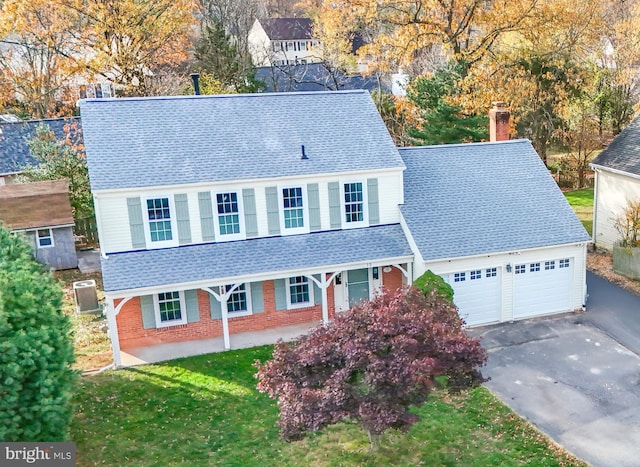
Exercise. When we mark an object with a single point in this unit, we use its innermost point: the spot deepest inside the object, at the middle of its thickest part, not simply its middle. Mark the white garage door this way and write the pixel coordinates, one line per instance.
(477, 295)
(542, 287)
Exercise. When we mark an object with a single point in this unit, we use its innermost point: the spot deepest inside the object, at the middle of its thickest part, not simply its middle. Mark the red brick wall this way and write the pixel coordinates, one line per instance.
(132, 334)
(393, 279)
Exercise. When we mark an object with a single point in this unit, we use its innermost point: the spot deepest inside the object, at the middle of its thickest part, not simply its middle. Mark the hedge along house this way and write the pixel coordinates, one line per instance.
(224, 214)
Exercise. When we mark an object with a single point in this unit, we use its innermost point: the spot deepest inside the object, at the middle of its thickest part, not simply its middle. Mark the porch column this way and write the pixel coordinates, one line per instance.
(113, 333)
(225, 321)
(324, 283)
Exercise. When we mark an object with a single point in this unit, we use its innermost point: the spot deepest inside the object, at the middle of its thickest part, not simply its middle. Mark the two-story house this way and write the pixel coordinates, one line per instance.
(219, 215)
(282, 41)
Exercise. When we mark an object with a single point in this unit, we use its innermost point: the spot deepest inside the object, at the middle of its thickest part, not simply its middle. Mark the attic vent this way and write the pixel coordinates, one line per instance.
(304, 155)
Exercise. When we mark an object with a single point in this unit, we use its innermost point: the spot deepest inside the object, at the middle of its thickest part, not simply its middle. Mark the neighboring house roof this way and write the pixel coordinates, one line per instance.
(14, 152)
(189, 264)
(315, 77)
(286, 29)
(34, 205)
(208, 139)
(482, 198)
(623, 153)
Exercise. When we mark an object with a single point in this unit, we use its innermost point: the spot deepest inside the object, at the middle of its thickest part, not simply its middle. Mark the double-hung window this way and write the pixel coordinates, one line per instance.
(44, 238)
(170, 309)
(354, 203)
(159, 216)
(228, 213)
(300, 292)
(293, 208)
(238, 300)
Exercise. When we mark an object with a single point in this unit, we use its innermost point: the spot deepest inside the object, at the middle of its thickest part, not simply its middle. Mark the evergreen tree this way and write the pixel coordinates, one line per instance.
(444, 122)
(36, 349)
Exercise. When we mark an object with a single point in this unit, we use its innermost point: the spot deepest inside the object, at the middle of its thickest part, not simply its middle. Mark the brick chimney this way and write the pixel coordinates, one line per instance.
(499, 122)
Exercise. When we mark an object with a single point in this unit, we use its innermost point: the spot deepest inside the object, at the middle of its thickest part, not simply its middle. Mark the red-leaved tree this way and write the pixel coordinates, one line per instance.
(371, 364)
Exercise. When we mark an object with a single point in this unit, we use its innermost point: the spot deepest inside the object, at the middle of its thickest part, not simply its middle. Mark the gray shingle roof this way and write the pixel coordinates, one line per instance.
(472, 199)
(142, 142)
(623, 153)
(282, 29)
(212, 261)
(14, 152)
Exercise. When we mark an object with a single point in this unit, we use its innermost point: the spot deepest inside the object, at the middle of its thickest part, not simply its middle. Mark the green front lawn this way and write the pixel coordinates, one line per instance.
(582, 203)
(205, 410)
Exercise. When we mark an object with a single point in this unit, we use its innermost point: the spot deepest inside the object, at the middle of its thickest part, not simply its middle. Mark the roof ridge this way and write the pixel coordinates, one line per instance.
(223, 96)
(480, 143)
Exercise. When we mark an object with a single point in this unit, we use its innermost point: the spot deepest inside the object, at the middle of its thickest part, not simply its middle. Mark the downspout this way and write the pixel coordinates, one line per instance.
(595, 209)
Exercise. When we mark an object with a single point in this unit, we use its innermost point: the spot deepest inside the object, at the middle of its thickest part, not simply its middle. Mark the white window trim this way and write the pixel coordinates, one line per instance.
(183, 311)
(42, 247)
(365, 206)
(237, 314)
(294, 306)
(214, 201)
(305, 211)
(174, 222)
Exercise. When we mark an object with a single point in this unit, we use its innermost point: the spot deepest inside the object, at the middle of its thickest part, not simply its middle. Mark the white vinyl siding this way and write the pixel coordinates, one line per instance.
(613, 192)
(115, 233)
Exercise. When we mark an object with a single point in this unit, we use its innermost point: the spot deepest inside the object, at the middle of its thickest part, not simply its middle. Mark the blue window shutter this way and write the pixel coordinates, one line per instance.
(374, 205)
(335, 217)
(280, 287)
(257, 300)
(182, 217)
(148, 312)
(250, 213)
(191, 302)
(206, 216)
(317, 293)
(273, 210)
(216, 307)
(313, 197)
(136, 223)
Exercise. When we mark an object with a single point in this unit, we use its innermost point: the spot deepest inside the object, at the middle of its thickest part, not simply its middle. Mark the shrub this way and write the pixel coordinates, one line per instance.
(371, 365)
(430, 282)
(628, 225)
(36, 349)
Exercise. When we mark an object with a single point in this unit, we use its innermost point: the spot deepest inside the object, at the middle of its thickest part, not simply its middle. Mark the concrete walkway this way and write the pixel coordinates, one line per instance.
(163, 352)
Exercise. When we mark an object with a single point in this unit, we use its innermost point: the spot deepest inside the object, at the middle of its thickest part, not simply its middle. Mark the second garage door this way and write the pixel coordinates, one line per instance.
(477, 295)
(542, 287)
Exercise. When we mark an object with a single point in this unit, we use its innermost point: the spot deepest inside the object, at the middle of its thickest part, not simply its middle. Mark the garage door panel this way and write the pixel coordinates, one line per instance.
(477, 295)
(542, 287)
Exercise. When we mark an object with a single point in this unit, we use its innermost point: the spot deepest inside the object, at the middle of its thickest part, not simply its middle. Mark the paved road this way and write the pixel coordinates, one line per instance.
(574, 381)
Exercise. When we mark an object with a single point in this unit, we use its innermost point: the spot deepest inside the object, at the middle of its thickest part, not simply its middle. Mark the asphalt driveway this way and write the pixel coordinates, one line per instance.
(574, 376)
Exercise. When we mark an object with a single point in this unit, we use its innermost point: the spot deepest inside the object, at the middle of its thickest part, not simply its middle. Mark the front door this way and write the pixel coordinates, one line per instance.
(357, 285)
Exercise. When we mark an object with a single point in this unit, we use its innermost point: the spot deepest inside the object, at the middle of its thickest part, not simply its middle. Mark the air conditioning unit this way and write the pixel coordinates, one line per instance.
(86, 296)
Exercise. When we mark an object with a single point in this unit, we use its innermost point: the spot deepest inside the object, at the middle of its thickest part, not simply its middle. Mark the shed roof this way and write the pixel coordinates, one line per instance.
(14, 151)
(144, 142)
(283, 29)
(34, 205)
(215, 261)
(623, 153)
(483, 198)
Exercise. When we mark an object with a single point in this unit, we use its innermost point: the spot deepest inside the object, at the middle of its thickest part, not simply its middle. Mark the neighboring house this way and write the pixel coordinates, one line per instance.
(224, 214)
(282, 41)
(42, 212)
(316, 77)
(617, 181)
(14, 136)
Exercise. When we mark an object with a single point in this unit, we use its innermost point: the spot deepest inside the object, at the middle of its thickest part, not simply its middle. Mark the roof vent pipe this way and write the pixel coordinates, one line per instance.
(304, 155)
(196, 83)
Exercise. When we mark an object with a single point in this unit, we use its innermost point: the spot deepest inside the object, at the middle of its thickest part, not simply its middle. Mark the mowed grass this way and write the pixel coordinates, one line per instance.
(582, 203)
(206, 410)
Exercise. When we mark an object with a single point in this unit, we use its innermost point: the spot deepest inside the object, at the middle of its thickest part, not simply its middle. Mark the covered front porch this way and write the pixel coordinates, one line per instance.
(172, 350)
